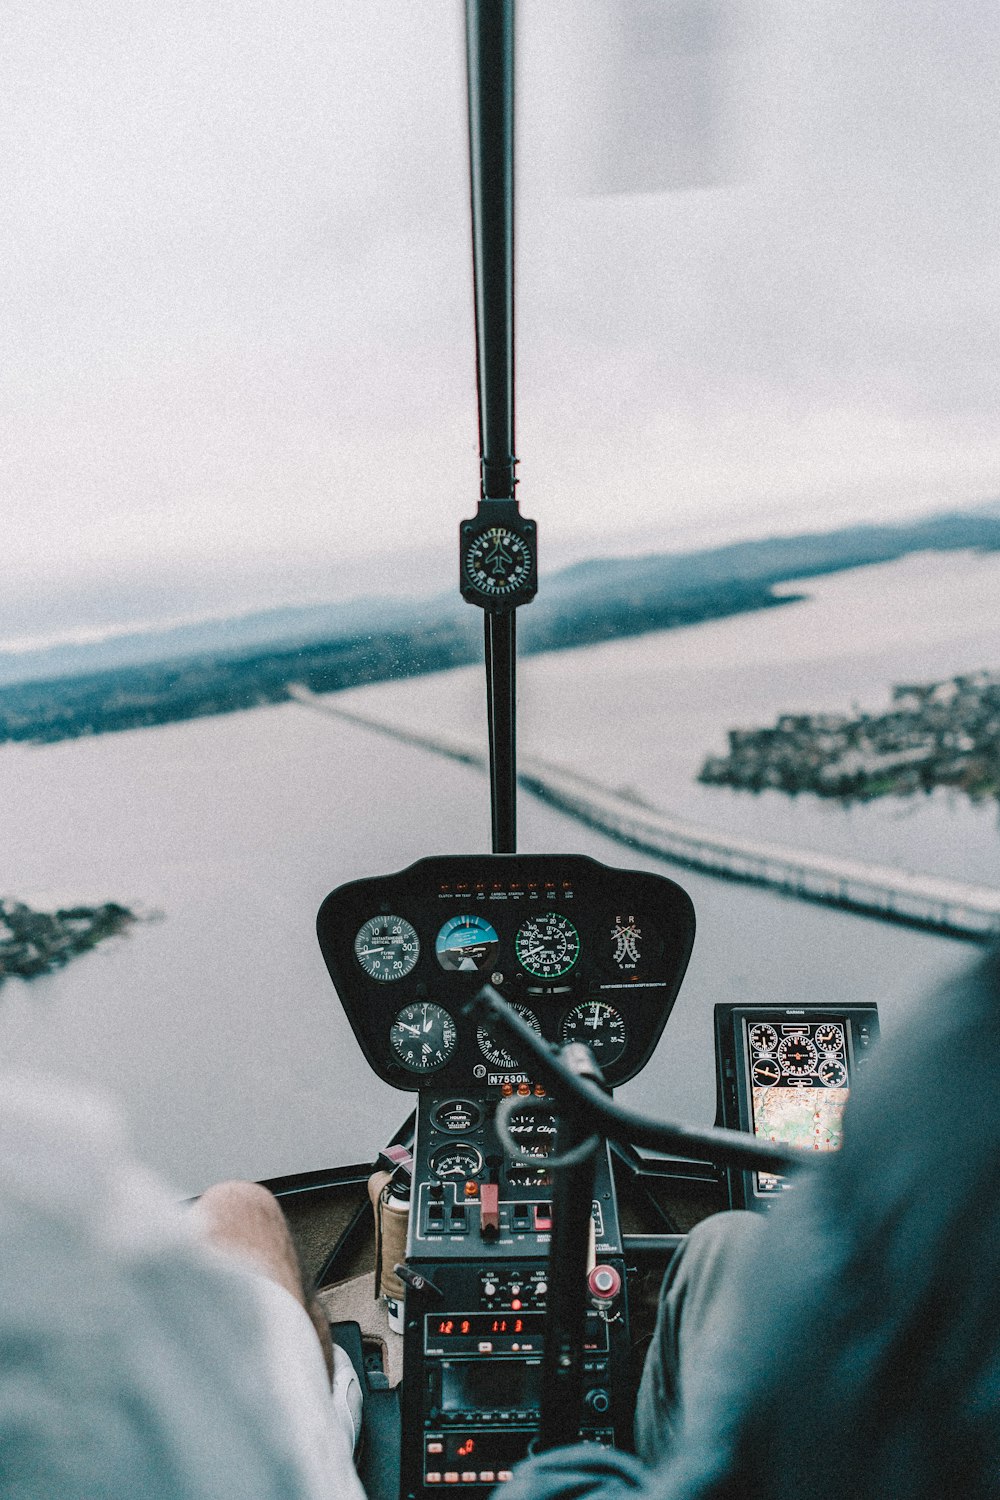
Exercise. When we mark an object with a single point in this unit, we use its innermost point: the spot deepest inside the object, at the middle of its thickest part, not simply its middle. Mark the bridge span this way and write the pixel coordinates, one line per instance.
(953, 907)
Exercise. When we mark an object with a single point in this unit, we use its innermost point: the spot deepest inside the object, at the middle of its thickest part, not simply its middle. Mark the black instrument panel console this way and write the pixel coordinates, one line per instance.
(584, 951)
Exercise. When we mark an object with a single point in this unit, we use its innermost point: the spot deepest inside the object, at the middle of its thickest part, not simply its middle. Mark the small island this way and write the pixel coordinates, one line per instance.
(934, 734)
(36, 942)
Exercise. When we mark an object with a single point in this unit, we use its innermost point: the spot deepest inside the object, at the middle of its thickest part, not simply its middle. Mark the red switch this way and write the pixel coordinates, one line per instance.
(489, 1201)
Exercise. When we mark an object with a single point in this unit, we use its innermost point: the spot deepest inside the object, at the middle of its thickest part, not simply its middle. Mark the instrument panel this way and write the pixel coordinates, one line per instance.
(583, 951)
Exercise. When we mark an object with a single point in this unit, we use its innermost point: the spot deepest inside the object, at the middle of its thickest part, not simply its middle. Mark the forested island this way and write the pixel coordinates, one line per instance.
(36, 942)
(934, 734)
(601, 600)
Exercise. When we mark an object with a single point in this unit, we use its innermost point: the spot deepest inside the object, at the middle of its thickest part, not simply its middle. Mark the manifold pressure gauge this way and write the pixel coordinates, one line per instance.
(498, 557)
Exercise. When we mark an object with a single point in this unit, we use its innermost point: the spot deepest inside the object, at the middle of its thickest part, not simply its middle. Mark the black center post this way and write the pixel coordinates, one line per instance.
(498, 564)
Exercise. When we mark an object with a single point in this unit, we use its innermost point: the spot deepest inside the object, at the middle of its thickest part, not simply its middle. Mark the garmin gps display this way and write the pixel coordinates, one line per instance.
(799, 1083)
(785, 1074)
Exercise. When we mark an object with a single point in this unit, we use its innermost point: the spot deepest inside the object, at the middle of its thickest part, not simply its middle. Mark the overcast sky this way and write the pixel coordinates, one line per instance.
(758, 286)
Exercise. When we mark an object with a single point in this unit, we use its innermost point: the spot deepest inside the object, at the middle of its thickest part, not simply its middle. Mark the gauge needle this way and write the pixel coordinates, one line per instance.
(413, 1030)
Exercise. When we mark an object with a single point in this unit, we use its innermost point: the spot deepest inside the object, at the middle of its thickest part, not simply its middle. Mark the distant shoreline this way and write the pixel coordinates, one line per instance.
(584, 605)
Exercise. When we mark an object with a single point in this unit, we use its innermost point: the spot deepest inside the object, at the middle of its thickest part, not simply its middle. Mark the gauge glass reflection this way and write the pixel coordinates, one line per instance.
(492, 1050)
(387, 948)
(467, 945)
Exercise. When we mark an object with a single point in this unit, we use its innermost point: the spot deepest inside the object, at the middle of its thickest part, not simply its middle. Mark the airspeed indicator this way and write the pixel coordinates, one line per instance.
(547, 945)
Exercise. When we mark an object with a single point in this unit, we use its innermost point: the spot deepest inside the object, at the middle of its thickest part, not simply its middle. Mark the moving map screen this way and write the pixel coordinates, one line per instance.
(799, 1085)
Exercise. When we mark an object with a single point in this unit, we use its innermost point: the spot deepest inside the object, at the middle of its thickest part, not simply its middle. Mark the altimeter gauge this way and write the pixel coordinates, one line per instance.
(387, 947)
(423, 1036)
(492, 1050)
(600, 1026)
(547, 945)
(797, 1055)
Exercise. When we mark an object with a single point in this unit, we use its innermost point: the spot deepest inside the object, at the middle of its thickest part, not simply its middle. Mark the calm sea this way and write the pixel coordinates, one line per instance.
(215, 1023)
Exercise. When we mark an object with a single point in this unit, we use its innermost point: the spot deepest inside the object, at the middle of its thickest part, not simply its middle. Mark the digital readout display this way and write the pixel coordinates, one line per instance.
(487, 1325)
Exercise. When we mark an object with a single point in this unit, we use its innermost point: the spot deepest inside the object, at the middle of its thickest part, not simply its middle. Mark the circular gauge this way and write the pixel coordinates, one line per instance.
(534, 1130)
(634, 942)
(456, 1161)
(832, 1072)
(387, 947)
(456, 1115)
(493, 1052)
(423, 1036)
(466, 945)
(797, 1055)
(829, 1038)
(498, 561)
(765, 1072)
(547, 945)
(600, 1026)
(763, 1038)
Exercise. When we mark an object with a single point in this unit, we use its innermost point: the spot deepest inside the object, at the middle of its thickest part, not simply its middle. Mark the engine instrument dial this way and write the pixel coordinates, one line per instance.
(797, 1055)
(456, 1161)
(600, 1026)
(832, 1073)
(763, 1038)
(423, 1036)
(829, 1038)
(387, 947)
(547, 945)
(765, 1072)
(466, 945)
(492, 1050)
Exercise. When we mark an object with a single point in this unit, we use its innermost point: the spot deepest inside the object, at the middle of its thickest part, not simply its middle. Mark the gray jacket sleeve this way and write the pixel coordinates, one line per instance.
(577, 1473)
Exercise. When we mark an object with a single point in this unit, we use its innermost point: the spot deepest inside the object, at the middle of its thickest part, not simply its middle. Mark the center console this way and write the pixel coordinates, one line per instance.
(583, 952)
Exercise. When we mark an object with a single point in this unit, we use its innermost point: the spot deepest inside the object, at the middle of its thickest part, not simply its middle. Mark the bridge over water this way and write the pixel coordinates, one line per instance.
(954, 907)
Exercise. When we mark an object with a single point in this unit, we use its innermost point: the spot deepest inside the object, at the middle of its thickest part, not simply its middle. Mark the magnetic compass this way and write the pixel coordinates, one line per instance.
(498, 561)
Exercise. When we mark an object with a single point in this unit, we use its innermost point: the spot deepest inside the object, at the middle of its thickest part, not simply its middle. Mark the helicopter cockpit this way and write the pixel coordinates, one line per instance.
(516, 1274)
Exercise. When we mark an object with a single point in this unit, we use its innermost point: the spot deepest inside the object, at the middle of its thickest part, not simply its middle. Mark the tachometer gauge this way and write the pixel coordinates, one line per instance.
(534, 1131)
(423, 1036)
(466, 945)
(387, 947)
(456, 1161)
(829, 1038)
(635, 944)
(492, 1050)
(547, 945)
(600, 1026)
(832, 1073)
(797, 1055)
(763, 1038)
